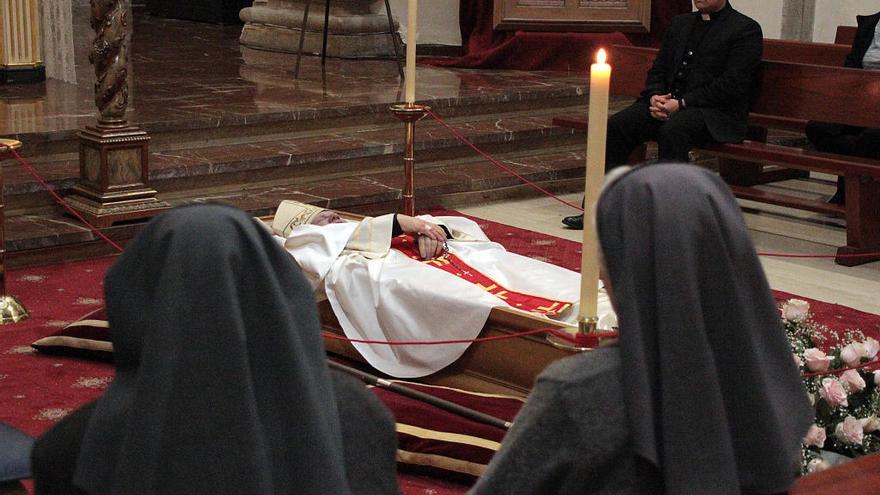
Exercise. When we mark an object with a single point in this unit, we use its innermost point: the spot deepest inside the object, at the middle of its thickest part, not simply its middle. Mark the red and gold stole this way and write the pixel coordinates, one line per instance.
(452, 264)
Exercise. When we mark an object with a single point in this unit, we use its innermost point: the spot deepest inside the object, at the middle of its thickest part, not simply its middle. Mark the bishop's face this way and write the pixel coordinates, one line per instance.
(709, 6)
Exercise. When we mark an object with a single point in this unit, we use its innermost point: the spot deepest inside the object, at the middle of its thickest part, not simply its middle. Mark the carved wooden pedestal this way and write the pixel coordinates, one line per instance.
(114, 181)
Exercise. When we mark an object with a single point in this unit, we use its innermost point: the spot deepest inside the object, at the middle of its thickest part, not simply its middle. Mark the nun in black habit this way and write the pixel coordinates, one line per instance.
(700, 395)
(221, 382)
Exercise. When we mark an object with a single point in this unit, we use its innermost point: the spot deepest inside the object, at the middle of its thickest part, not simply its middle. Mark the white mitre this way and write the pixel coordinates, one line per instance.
(292, 214)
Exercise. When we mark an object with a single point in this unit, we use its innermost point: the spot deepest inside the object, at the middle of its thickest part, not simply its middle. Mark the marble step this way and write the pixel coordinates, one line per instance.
(47, 234)
(302, 156)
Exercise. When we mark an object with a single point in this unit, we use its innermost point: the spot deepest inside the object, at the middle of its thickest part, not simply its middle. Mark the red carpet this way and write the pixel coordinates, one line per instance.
(37, 390)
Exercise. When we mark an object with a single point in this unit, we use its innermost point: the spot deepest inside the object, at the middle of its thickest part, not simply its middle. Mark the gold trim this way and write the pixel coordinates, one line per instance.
(478, 394)
(441, 462)
(447, 437)
(90, 323)
(75, 343)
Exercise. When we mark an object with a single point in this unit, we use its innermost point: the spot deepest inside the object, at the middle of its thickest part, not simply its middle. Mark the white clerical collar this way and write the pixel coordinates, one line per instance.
(705, 17)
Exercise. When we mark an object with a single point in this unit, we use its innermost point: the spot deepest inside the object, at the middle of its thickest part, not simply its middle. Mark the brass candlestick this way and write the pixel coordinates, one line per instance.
(409, 114)
(11, 309)
(586, 338)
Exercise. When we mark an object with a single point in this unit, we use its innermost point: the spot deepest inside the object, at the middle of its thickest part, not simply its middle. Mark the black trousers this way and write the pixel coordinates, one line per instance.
(632, 126)
(844, 140)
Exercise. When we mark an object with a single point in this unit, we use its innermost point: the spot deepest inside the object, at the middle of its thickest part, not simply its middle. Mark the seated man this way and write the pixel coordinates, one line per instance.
(405, 288)
(697, 91)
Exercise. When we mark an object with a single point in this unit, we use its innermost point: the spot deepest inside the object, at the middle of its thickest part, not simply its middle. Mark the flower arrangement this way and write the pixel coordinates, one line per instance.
(842, 376)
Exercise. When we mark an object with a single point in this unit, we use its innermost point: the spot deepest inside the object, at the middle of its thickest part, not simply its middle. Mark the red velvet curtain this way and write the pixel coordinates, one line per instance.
(486, 48)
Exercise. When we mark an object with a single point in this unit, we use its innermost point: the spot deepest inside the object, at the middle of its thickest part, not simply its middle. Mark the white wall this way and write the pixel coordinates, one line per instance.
(833, 13)
(768, 13)
(438, 21)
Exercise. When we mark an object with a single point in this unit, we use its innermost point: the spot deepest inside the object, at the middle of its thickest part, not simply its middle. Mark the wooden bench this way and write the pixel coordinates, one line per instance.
(833, 54)
(845, 35)
(790, 94)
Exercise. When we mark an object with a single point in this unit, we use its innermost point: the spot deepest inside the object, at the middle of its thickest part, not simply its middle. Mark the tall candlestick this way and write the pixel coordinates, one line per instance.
(600, 77)
(411, 30)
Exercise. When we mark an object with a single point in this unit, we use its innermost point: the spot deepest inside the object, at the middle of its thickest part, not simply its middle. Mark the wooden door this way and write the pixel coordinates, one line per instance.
(632, 16)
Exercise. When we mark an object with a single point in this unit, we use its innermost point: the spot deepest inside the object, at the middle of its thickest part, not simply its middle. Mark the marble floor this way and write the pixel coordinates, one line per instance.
(773, 229)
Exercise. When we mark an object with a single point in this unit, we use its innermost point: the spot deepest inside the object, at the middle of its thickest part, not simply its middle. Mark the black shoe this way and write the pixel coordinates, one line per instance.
(575, 222)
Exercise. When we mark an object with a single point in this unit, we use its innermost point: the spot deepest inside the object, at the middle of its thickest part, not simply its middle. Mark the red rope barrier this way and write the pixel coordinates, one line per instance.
(333, 336)
(497, 163)
(27, 166)
(841, 370)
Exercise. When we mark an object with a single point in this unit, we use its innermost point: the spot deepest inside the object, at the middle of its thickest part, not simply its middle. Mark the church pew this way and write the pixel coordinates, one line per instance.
(791, 93)
(805, 52)
(845, 35)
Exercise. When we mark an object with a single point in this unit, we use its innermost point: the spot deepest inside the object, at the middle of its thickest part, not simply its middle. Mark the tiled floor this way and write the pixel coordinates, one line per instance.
(776, 230)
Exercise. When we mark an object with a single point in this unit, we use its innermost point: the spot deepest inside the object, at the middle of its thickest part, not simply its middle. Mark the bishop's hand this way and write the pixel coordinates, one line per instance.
(430, 248)
(418, 227)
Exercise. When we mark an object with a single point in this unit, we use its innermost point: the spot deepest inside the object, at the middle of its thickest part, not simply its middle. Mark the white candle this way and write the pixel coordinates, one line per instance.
(411, 29)
(600, 78)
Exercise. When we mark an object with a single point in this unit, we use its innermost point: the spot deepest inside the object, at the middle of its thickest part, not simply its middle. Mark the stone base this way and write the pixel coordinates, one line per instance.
(352, 36)
(114, 175)
(23, 75)
(103, 215)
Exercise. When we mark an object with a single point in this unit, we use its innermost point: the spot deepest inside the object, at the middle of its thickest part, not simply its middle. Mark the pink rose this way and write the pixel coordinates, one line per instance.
(833, 392)
(815, 437)
(877, 378)
(852, 353)
(817, 465)
(816, 360)
(869, 424)
(795, 309)
(852, 381)
(850, 431)
(872, 347)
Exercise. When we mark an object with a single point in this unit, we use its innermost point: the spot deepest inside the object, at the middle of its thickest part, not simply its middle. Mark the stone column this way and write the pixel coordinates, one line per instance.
(113, 155)
(358, 28)
(21, 59)
(58, 40)
(797, 19)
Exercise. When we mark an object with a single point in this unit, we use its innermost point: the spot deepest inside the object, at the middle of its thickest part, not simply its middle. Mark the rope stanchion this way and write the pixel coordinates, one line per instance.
(27, 166)
(497, 163)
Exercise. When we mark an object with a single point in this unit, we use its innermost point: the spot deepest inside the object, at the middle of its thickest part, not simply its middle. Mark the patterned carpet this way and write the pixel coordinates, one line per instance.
(37, 390)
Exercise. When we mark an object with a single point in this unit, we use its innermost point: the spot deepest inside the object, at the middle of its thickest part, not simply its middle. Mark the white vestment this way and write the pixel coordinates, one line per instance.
(378, 293)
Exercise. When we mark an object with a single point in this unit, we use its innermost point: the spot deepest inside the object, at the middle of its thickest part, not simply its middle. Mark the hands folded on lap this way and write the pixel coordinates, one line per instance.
(663, 106)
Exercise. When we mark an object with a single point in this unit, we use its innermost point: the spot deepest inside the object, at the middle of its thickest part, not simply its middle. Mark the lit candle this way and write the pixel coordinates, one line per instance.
(411, 23)
(600, 78)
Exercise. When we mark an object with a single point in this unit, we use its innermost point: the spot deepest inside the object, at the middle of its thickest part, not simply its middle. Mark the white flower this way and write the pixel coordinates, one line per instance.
(877, 378)
(852, 353)
(815, 437)
(869, 424)
(833, 392)
(797, 360)
(852, 381)
(795, 309)
(872, 347)
(850, 431)
(816, 360)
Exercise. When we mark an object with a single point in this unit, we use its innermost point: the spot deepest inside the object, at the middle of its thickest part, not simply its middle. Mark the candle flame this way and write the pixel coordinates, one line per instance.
(600, 56)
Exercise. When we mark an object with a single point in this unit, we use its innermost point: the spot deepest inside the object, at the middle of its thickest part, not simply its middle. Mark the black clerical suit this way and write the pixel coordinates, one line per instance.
(712, 66)
(846, 139)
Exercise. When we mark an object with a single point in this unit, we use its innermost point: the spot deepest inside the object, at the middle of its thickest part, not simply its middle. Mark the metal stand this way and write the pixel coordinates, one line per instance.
(409, 114)
(11, 309)
(587, 338)
(302, 36)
